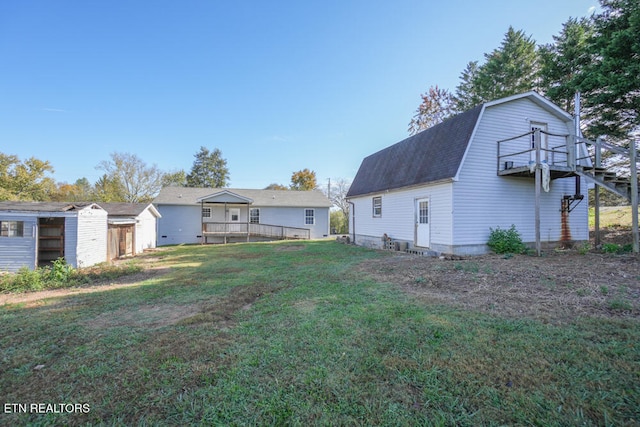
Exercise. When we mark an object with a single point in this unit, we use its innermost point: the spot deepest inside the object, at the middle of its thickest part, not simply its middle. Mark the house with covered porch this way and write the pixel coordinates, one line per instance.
(223, 215)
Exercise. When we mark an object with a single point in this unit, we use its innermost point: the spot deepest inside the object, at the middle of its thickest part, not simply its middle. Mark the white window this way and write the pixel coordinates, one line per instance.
(12, 228)
(254, 216)
(377, 206)
(206, 212)
(309, 216)
(234, 214)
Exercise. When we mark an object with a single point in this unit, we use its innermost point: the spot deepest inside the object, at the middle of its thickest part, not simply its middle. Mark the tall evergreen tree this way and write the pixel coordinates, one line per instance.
(209, 170)
(466, 97)
(611, 82)
(513, 68)
(563, 60)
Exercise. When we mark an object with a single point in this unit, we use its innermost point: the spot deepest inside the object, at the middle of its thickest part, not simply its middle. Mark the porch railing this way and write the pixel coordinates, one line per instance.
(229, 229)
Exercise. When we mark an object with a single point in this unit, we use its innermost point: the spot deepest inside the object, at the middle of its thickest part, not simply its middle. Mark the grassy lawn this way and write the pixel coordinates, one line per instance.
(289, 334)
(611, 216)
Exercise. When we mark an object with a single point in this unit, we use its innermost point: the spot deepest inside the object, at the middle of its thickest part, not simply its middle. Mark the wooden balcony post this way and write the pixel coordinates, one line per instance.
(538, 185)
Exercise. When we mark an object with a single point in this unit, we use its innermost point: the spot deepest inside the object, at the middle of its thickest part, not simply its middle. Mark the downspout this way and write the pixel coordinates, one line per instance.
(353, 220)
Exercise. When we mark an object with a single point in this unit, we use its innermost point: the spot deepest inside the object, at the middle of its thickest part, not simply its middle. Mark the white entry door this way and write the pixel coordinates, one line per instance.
(422, 223)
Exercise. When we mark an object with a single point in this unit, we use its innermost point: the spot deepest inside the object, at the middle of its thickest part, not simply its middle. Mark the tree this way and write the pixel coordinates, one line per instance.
(437, 105)
(303, 180)
(25, 180)
(564, 60)
(611, 82)
(512, 68)
(274, 186)
(466, 97)
(209, 170)
(339, 219)
(338, 193)
(108, 190)
(129, 179)
(175, 179)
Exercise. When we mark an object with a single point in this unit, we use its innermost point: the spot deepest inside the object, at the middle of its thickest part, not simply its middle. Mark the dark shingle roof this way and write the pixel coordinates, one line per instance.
(431, 155)
(42, 206)
(124, 209)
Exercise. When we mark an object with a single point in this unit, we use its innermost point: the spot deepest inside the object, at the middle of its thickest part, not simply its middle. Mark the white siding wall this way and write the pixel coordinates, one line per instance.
(482, 199)
(179, 224)
(182, 223)
(398, 217)
(91, 235)
(16, 252)
(145, 231)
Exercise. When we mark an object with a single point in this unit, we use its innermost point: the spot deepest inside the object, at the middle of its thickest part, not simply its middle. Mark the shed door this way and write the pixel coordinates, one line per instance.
(422, 223)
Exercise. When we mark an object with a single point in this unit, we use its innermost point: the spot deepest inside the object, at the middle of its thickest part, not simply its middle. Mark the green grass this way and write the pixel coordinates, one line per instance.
(290, 334)
(611, 216)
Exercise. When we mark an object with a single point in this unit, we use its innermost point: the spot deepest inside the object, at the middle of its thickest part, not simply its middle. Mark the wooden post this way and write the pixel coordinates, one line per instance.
(538, 179)
(203, 239)
(598, 164)
(634, 196)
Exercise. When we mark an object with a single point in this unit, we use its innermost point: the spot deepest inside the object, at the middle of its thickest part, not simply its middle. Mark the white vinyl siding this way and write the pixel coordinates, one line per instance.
(145, 231)
(503, 201)
(88, 240)
(399, 219)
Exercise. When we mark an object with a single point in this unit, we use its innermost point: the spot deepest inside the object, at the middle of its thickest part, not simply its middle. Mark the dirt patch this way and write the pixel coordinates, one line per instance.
(557, 287)
(152, 316)
(290, 247)
(221, 312)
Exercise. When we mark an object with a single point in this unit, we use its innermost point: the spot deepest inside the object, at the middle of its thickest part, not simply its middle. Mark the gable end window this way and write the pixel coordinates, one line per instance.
(11, 228)
(377, 207)
(309, 216)
(254, 216)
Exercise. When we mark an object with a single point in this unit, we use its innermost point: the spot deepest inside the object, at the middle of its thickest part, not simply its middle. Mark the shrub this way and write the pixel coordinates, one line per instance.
(506, 241)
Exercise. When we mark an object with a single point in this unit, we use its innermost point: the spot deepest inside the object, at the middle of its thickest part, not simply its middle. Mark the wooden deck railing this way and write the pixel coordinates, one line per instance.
(240, 229)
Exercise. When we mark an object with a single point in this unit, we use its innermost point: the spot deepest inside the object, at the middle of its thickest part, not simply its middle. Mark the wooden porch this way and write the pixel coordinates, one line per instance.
(246, 230)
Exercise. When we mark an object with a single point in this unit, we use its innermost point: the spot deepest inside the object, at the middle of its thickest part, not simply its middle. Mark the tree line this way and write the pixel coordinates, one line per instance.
(598, 56)
(126, 178)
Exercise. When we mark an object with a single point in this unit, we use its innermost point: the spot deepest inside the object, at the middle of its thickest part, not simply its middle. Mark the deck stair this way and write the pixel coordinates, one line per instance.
(607, 179)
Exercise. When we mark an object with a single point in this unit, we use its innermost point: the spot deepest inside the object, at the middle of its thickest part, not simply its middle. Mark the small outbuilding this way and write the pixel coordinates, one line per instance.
(132, 228)
(34, 234)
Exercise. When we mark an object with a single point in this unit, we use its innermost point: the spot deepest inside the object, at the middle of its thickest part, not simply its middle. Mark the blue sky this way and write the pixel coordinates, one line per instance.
(276, 86)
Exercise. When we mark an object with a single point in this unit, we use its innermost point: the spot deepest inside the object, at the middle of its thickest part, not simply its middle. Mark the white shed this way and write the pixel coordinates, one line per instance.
(33, 234)
(443, 189)
(132, 228)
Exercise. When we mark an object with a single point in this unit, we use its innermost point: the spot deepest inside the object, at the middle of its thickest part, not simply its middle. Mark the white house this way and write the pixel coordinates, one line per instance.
(132, 228)
(214, 215)
(33, 234)
(443, 189)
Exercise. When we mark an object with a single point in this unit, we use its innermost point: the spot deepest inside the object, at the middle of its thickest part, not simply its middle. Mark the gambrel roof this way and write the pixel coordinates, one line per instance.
(432, 155)
(264, 198)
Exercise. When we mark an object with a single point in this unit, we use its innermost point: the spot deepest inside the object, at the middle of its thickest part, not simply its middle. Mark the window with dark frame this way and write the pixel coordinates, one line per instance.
(309, 216)
(377, 206)
(11, 228)
(206, 212)
(254, 215)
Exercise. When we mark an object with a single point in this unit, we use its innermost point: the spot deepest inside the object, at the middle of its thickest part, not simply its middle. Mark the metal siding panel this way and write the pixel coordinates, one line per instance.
(17, 252)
